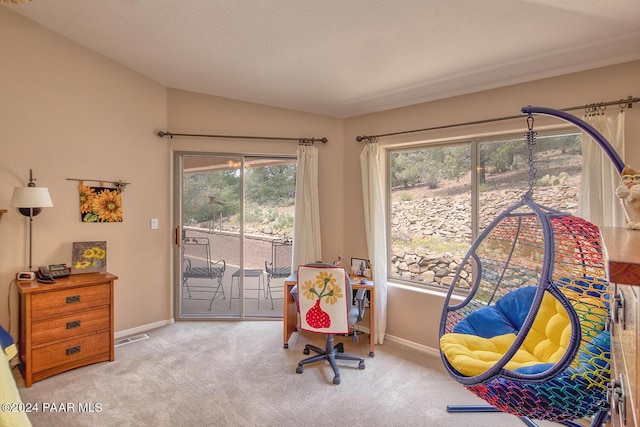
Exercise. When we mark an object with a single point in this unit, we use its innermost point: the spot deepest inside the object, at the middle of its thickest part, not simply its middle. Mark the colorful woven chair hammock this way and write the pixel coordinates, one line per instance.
(530, 336)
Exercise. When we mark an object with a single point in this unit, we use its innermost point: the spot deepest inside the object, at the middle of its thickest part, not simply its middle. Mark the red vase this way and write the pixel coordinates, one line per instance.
(317, 318)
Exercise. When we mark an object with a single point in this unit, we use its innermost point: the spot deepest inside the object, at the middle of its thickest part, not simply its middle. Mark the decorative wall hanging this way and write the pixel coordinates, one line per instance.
(88, 257)
(100, 203)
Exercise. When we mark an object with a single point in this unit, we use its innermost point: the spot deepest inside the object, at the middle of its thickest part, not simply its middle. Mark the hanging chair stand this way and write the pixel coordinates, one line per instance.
(597, 136)
(498, 370)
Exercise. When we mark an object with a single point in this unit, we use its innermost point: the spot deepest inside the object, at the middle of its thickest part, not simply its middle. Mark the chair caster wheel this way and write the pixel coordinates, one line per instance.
(361, 365)
(336, 380)
(306, 351)
(299, 370)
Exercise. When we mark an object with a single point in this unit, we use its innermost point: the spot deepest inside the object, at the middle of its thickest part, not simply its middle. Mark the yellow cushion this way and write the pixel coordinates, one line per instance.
(546, 342)
(9, 394)
(11, 351)
(472, 355)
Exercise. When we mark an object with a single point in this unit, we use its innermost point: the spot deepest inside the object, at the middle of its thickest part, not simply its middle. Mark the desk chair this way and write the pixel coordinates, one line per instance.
(324, 299)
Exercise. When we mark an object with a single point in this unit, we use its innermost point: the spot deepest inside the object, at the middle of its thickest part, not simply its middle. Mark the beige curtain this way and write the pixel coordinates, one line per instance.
(307, 246)
(597, 202)
(375, 227)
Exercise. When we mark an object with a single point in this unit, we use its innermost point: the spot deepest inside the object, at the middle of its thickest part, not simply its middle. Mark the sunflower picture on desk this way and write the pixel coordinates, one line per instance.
(324, 286)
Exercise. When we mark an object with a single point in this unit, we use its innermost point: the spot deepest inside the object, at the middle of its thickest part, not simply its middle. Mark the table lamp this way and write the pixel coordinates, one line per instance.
(30, 200)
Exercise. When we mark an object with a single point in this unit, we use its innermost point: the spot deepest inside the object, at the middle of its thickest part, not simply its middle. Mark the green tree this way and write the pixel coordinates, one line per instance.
(208, 195)
(272, 186)
(429, 165)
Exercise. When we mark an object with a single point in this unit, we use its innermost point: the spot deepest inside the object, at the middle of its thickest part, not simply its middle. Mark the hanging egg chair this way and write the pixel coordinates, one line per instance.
(524, 321)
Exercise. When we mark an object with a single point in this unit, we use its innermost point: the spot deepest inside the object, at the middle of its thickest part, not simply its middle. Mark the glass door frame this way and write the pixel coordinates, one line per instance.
(178, 182)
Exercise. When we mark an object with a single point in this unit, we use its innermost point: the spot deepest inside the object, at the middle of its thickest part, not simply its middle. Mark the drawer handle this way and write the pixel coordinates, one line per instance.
(616, 398)
(618, 312)
(72, 299)
(73, 350)
(74, 324)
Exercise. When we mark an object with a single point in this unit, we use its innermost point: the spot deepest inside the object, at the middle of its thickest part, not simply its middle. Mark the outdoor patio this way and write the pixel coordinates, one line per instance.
(199, 294)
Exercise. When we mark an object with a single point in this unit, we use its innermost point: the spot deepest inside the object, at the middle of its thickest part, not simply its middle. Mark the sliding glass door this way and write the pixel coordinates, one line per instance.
(233, 238)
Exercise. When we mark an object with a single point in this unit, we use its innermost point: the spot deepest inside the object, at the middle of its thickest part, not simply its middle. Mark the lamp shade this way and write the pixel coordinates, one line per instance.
(31, 197)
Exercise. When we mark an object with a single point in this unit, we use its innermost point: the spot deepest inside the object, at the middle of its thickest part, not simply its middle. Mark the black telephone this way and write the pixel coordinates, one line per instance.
(51, 273)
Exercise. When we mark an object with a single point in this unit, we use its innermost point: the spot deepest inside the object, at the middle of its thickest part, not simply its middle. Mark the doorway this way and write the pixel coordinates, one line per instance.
(234, 234)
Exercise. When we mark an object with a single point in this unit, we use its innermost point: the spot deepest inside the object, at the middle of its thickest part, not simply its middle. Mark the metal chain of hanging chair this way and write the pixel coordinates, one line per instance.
(531, 142)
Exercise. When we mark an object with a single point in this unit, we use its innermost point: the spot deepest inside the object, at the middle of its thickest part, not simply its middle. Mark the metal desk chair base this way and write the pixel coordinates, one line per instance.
(331, 353)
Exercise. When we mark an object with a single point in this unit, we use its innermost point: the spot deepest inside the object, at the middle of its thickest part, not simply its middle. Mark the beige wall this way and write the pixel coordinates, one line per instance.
(69, 113)
(201, 114)
(415, 316)
(66, 112)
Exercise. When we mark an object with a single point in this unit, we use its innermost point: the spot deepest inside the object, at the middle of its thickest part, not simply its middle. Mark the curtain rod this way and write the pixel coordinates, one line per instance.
(162, 134)
(622, 103)
(99, 180)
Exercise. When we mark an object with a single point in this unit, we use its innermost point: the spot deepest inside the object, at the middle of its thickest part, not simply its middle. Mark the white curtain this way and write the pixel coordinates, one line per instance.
(597, 202)
(375, 227)
(307, 246)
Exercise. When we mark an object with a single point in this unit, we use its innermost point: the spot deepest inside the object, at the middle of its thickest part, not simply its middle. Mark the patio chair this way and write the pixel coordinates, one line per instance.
(197, 264)
(278, 268)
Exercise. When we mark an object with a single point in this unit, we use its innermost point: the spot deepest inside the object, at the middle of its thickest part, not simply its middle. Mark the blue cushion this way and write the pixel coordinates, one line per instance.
(505, 317)
(5, 338)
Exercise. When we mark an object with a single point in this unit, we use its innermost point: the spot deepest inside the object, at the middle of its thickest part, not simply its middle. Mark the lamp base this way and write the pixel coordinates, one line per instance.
(30, 211)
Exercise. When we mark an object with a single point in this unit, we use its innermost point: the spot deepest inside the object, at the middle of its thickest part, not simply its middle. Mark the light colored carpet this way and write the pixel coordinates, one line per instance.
(238, 374)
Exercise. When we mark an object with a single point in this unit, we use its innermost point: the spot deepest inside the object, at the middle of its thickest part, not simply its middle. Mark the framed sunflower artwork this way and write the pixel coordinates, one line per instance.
(100, 204)
(88, 257)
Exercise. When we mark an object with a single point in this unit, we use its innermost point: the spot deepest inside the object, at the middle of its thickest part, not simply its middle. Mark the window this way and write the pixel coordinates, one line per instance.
(442, 196)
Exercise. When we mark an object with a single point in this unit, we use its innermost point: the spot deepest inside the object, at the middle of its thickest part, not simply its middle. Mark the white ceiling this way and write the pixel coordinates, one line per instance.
(342, 58)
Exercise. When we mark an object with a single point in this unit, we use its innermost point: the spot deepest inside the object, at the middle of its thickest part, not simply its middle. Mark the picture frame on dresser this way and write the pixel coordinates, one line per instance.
(89, 257)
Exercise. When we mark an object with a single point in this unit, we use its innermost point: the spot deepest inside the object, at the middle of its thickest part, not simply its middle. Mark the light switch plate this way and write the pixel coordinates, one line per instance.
(154, 223)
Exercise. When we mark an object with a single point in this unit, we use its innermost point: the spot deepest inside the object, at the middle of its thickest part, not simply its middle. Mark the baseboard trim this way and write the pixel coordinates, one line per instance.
(423, 348)
(143, 328)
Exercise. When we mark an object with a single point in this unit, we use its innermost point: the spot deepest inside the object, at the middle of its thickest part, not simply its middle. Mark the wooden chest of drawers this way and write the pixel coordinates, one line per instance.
(624, 350)
(65, 325)
(623, 268)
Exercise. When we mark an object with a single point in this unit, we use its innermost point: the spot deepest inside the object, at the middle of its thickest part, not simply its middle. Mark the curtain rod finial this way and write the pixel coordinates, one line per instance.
(162, 133)
(629, 101)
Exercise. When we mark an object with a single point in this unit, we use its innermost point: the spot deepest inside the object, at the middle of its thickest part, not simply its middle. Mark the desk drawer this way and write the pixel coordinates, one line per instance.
(71, 351)
(48, 304)
(60, 328)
